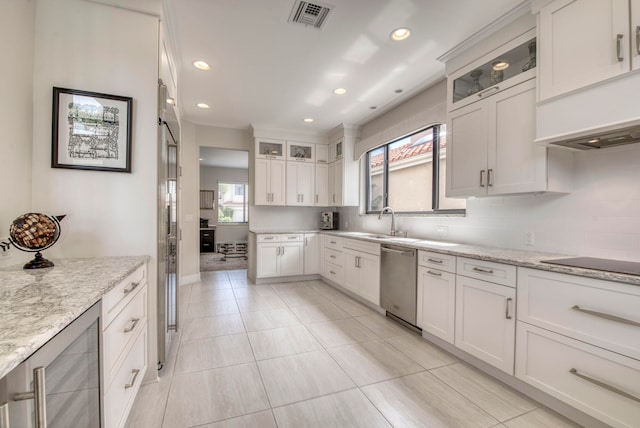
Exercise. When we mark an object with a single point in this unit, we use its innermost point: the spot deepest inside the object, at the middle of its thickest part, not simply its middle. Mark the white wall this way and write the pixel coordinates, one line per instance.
(209, 178)
(17, 32)
(99, 48)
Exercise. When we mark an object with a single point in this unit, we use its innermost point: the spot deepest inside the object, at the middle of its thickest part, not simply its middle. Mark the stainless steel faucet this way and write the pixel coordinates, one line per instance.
(393, 219)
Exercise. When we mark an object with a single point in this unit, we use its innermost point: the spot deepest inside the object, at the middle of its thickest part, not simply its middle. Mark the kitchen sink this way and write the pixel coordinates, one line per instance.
(401, 239)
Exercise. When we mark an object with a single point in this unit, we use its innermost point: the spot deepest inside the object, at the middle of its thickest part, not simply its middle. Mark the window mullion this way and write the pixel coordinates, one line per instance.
(385, 178)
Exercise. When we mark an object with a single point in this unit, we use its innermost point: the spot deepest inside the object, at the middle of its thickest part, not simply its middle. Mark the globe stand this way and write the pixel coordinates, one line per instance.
(38, 262)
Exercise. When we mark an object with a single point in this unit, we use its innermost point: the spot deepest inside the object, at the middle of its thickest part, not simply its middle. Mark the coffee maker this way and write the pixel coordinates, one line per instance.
(329, 220)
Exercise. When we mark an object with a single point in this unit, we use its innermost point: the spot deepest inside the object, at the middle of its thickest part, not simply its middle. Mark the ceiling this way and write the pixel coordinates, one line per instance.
(211, 156)
(270, 73)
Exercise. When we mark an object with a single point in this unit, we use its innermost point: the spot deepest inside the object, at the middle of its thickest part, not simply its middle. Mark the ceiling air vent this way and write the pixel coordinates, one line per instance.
(310, 14)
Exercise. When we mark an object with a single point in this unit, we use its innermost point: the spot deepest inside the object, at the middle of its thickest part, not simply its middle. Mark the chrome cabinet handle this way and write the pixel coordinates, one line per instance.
(268, 237)
(482, 178)
(487, 91)
(132, 381)
(282, 248)
(477, 269)
(39, 398)
(507, 314)
(332, 272)
(619, 47)
(131, 287)
(332, 256)
(638, 39)
(604, 385)
(606, 316)
(390, 250)
(132, 325)
(4, 415)
(434, 261)
(306, 242)
(316, 199)
(302, 198)
(489, 177)
(434, 273)
(333, 242)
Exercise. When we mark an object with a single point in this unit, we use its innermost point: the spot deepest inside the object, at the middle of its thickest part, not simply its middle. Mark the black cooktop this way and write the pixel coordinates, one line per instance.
(618, 266)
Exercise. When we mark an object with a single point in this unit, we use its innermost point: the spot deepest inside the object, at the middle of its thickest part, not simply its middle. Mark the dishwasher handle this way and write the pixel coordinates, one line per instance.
(404, 253)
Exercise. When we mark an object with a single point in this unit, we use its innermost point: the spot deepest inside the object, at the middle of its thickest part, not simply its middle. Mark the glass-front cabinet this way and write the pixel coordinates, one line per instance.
(301, 152)
(270, 149)
(502, 68)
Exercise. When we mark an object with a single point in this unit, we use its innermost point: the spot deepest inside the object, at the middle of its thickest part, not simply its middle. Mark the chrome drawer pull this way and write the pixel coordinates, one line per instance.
(604, 385)
(332, 272)
(638, 39)
(434, 273)
(477, 269)
(132, 381)
(507, 314)
(619, 47)
(132, 325)
(332, 256)
(131, 287)
(39, 396)
(434, 261)
(606, 316)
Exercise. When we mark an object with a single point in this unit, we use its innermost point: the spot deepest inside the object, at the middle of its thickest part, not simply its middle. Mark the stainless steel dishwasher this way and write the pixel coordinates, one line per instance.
(398, 282)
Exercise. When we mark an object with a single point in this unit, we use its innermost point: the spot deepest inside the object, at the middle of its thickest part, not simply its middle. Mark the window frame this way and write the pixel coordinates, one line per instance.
(245, 202)
(435, 177)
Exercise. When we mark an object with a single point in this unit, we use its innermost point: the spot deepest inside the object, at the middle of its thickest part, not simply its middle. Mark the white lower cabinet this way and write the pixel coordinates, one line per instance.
(280, 255)
(311, 253)
(124, 346)
(485, 321)
(436, 302)
(362, 269)
(598, 382)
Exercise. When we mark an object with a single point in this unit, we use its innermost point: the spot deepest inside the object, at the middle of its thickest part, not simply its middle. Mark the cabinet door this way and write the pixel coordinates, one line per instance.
(578, 43)
(515, 163)
(321, 183)
(369, 286)
(305, 179)
(261, 183)
(338, 177)
(485, 321)
(437, 302)
(331, 184)
(291, 260)
(311, 253)
(467, 150)
(351, 271)
(293, 195)
(322, 153)
(267, 263)
(635, 34)
(277, 174)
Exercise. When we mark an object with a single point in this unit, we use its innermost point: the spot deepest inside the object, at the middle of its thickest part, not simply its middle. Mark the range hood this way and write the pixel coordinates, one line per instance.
(600, 139)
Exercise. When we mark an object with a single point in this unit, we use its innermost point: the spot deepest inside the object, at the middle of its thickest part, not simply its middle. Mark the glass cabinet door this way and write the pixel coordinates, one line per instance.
(270, 149)
(487, 77)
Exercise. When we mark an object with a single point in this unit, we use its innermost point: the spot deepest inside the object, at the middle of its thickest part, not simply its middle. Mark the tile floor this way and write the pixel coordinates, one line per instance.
(303, 354)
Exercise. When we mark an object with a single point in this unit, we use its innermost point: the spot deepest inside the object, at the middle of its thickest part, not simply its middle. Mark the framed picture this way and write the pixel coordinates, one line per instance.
(91, 131)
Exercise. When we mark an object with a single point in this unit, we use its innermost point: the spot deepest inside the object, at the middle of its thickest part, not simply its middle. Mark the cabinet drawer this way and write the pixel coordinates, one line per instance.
(333, 272)
(297, 237)
(120, 396)
(269, 238)
(117, 338)
(599, 312)
(363, 246)
(439, 261)
(206, 234)
(333, 242)
(121, 294)
(334, 257)
(602, 384)
(487, 271)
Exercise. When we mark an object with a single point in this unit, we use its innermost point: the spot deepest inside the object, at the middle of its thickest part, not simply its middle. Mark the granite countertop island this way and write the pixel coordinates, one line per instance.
(35, 305)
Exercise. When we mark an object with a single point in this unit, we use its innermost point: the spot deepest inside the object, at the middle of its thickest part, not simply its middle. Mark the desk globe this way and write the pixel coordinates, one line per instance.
(35, 232)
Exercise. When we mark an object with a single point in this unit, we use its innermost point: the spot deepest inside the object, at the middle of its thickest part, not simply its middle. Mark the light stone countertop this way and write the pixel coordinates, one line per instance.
(284, 231)
(530, 259)
(37, 304)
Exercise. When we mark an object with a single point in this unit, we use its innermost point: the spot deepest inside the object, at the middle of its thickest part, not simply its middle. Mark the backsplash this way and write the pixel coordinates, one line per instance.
(284, 218)
(600, 218)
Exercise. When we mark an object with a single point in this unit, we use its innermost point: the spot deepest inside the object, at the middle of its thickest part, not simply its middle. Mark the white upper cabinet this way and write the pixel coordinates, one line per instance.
(321, 197)
(583, 42)
(301, 152)
(270, 149)
(635, 34)
(269, 185)
(322, 153)
(300, 188)
(336, 150)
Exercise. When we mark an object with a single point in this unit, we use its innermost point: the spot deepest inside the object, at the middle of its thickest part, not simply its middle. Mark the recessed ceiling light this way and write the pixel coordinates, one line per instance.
(203, 105)
(201, 65)
(340, 91)
(171, 101)
(500, 65)
(594, 141)
(201, 159)
(308, 119)
(400, 34)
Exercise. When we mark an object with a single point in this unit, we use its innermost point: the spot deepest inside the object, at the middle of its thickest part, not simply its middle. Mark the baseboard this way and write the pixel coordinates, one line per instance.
(278, 279)
(189, 279)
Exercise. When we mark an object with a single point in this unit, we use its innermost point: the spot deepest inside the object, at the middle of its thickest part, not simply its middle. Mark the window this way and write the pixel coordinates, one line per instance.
(233, 206)
(403, 175)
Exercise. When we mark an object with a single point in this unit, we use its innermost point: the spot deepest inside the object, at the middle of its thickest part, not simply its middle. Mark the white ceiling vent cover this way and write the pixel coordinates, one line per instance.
(310, 14)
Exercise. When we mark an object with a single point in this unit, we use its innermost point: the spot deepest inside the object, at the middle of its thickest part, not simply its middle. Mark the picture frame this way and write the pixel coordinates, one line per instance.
(91, 131)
